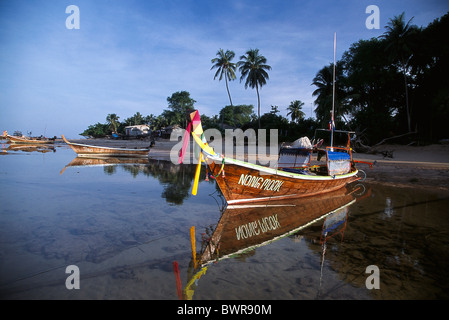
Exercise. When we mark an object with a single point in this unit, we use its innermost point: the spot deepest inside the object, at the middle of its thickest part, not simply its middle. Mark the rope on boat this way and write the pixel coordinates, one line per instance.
(364, 175)
(221, 169)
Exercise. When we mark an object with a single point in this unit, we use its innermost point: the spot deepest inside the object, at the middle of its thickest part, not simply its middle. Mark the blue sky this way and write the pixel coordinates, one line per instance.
(129, 56)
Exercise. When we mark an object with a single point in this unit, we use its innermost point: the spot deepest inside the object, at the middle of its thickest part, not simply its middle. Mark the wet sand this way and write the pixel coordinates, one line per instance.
(414, 166)
(426, 166)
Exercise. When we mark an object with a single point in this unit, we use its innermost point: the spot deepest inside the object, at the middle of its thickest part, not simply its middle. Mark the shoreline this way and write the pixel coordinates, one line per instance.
(408, 166)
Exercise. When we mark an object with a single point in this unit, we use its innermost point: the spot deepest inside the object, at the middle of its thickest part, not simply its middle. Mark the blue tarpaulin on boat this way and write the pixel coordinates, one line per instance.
(338, 162)
(333, 156)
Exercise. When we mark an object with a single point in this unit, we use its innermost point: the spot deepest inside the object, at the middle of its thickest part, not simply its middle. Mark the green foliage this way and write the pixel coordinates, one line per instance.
(112, 120)
(373, 89)
(136, 119)
(287, 130)
(391, 85)
(295, 110)
(225, 67)
(324, 93)
(179, 104)
(237, 116)
(210, 122)
(97, 130)
(254, 69)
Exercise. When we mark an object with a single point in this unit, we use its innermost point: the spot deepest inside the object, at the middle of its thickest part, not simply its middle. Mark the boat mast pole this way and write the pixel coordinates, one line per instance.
(333, 94)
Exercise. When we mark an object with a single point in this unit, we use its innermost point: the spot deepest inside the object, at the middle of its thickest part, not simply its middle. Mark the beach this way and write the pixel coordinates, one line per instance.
(410, 166)
(405, 166)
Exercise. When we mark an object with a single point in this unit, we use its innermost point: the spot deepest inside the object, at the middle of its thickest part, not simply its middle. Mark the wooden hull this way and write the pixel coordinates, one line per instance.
(20, 140)
(245, 182)
(244, 227)
(84, 150)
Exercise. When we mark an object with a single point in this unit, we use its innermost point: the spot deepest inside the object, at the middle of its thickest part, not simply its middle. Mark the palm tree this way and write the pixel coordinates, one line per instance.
(397, 45)
(324, 92)
(112, 120)
(253, 66)
(294, 110)
(225, 67)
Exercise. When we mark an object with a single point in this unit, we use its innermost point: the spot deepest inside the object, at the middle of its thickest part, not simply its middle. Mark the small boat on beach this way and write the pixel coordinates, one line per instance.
(28, 140)
(89, 151)
(242, 182)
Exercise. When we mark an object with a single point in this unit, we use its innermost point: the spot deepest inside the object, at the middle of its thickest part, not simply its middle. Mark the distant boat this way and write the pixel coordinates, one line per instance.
(28, 140)
(85, 150)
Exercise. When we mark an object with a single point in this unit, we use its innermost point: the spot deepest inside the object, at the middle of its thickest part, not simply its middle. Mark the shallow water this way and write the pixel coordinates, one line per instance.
(124, 226)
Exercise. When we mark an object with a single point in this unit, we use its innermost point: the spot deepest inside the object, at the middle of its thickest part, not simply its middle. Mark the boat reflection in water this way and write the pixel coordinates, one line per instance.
(242, 228)
(102, 162)
(43, 148)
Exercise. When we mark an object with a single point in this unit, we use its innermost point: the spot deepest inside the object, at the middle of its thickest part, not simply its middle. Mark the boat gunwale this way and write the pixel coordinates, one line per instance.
(26, 140)
(280, 172)
(100, 155)
(284, 197)
(107, 148)
(101, 147)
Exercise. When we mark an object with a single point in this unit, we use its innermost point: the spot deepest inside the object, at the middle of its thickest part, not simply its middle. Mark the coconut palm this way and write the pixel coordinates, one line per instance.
(294, 110)
(112, 120)
(398, 47)
(224, 67)
(324, 92)
(253, 67)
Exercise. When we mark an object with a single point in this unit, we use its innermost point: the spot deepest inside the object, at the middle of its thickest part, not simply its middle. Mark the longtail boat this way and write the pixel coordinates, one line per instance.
(85, 150)
(242, 182)
(28, 140)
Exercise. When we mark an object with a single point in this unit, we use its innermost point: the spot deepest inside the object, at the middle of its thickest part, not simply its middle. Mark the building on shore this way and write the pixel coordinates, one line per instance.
(137, 131)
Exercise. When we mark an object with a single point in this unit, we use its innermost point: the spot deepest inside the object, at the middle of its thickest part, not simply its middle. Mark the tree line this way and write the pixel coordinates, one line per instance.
(230, 116)
(395, 85)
